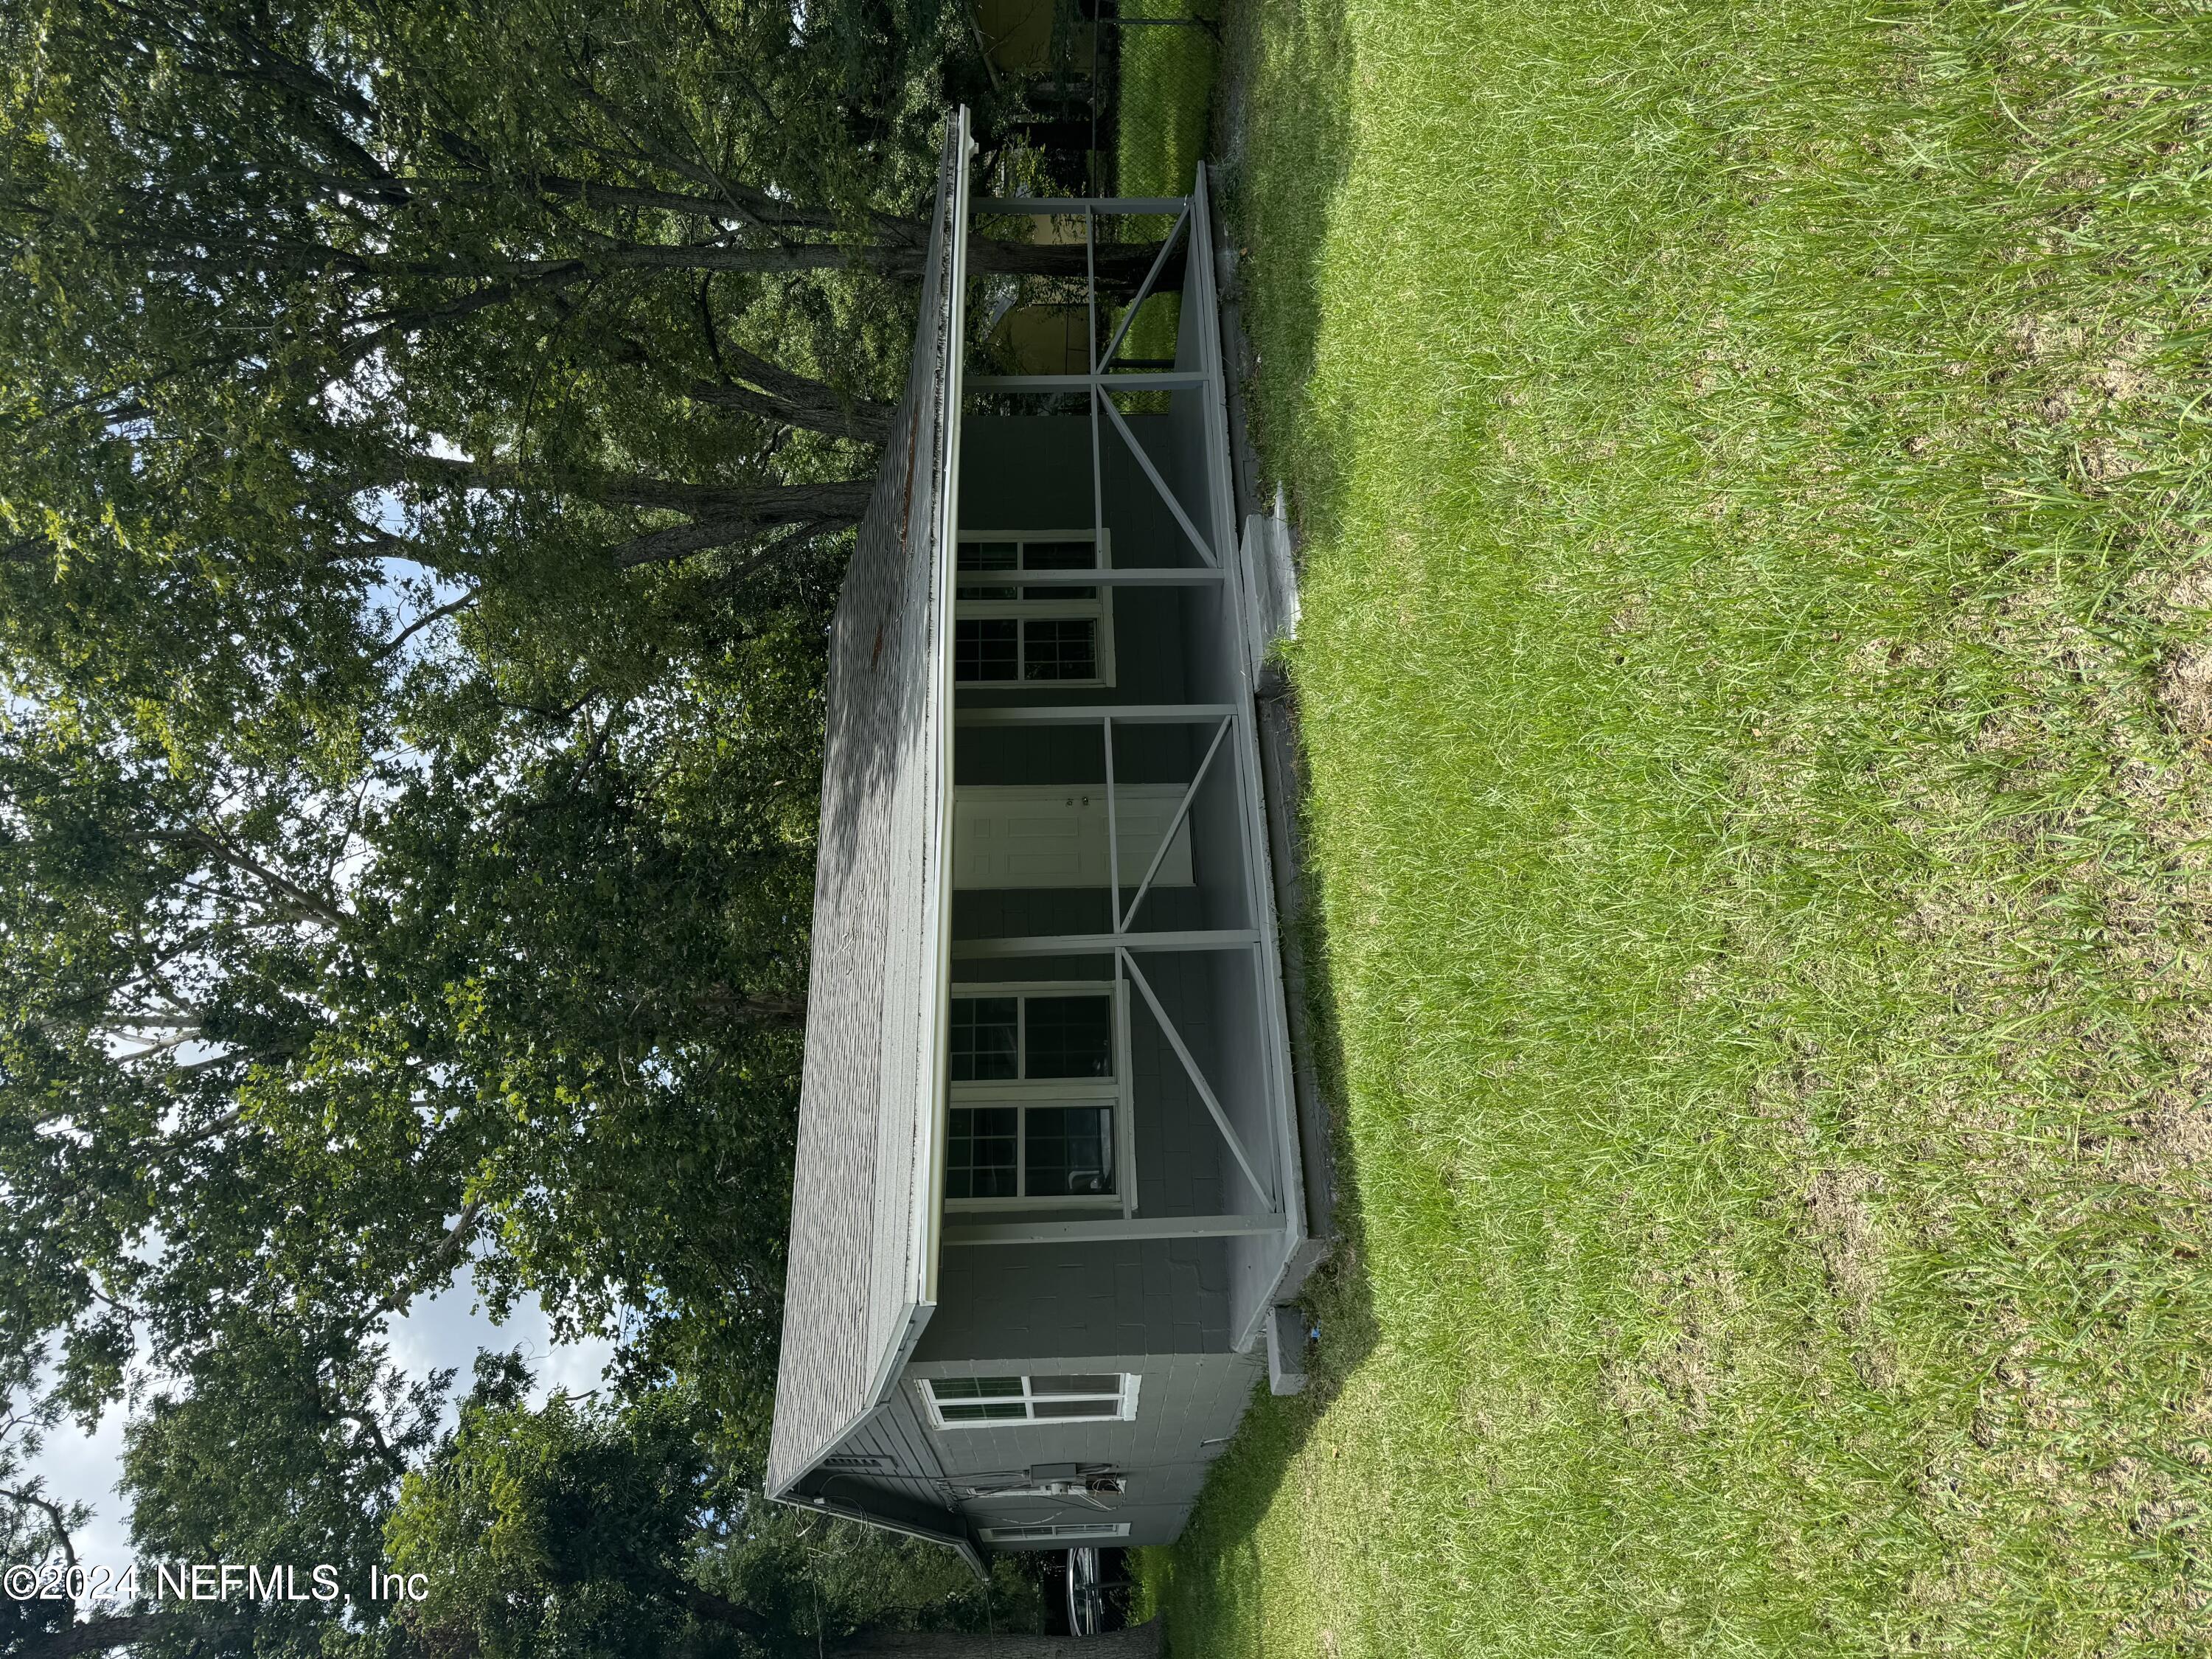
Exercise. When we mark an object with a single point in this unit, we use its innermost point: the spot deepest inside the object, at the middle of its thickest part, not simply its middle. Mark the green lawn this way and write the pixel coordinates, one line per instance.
(1167, 74)
(1757, 671)
(1166, 80)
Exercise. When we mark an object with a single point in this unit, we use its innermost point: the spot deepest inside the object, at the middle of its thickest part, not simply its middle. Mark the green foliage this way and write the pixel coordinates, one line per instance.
(337, 955)
(1166, 78)
(34, 1524)
(582, 1529)
(298, 1030)
(818, 1576)
(1753, 668)
(564, 1530)
(285, 1450)
(505, 262)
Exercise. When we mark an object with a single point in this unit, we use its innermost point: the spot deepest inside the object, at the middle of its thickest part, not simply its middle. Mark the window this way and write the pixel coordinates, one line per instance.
(1039, 1099)
(1044, 1035)
(1076, 1530)
(969, 1401)
(1005, 632)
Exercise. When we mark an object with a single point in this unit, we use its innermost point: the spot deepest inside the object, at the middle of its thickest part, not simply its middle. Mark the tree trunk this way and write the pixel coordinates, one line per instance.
(777, 1008)
(1140, 1642)
(106, 1633)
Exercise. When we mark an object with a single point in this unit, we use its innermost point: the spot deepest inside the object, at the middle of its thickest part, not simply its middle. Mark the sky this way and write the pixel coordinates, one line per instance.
(442, 1331)
(446, 1331)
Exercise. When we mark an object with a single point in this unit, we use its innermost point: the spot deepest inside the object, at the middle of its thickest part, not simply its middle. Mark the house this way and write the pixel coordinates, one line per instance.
(1050, 1194)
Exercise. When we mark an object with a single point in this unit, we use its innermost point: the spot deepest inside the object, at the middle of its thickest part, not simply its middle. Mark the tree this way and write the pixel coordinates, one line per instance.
(36, 1526)
(566, 1530)
(579, 1529)
(525, 1004)
(531, 294)
(285, 1446)
(1137, 1642)
(426, 437)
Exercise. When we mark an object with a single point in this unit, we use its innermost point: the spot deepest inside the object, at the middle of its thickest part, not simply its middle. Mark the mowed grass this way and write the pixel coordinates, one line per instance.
(1167, 72)
(1757, 670)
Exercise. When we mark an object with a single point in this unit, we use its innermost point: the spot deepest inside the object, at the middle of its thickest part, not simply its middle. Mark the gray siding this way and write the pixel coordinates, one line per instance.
(1187, 1405)
(1181, 1314)
(1033, 472)
(1007, 1303)
(1182, 1166)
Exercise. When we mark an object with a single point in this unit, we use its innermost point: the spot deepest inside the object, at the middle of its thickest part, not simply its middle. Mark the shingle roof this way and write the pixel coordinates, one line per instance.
(861, 1267)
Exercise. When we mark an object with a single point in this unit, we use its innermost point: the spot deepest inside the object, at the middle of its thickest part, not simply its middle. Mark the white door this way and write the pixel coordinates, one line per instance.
(1008, 836)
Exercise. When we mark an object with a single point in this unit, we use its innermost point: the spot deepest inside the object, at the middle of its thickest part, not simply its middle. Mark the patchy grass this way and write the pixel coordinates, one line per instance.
(1758, 678)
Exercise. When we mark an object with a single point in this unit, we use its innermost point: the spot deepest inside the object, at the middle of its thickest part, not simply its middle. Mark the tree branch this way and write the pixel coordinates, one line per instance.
(115, 1630)
(422, 622)
(56, 1518)
(218, 848)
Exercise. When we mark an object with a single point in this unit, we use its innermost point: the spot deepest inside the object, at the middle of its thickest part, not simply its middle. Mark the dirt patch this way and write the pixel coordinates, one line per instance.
(2184, 691)
(1842, 1228)
(2167, 1148)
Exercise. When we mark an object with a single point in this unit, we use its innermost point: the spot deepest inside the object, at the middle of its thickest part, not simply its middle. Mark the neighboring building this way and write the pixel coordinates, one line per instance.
(1049, 1189)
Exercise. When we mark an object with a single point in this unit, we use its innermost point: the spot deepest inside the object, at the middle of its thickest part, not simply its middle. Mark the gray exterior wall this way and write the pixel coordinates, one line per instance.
(1033, 472)
(1185, 1400)
(1012, 1304)
(1179, 1313)
(896, 1465)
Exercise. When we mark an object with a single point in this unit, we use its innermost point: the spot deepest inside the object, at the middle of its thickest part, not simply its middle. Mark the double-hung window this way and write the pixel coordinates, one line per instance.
(1039, 1111)
(969, 1401)
(1005, 632)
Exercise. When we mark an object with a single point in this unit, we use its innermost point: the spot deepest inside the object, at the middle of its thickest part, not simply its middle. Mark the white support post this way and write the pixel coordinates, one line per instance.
(1078, 713)
(1099, 945)
(1067, 207)
(1090, 363)
(1105, 1230)
(1128, 379)
(1113, 826)
(1142, 575)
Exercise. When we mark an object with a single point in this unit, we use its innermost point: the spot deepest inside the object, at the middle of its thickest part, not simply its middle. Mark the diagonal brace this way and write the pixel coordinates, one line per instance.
(1143, 292)
(1154, 473)
(1182, 811)
(1197, 1078)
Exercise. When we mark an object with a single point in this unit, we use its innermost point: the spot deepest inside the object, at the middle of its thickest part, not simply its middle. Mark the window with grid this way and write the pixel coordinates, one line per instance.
(1005, 632)
(1029, 1118)
(972, 1401)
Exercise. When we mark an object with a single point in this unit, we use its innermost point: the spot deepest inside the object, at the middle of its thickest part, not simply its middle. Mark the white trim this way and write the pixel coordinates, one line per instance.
(1045, 1532)
(927, 1241)
(1117, 1093)
(1126, 1124)
(1123, 1403)
(1202, 307)
(1098, 609)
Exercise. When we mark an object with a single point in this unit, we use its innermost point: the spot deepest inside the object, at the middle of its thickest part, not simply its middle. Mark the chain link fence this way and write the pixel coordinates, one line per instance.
(1095, 98)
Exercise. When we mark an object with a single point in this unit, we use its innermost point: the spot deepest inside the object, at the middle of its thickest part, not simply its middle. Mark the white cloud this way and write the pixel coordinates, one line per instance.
(440, 1331)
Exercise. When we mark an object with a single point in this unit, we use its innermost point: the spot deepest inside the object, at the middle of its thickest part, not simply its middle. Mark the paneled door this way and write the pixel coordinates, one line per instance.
(1029, 836)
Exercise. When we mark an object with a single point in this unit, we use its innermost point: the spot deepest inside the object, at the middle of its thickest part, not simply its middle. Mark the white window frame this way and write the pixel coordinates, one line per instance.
(1115, 1091)
(1099, 608)
(1073, 1531)
(1125, 1404)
